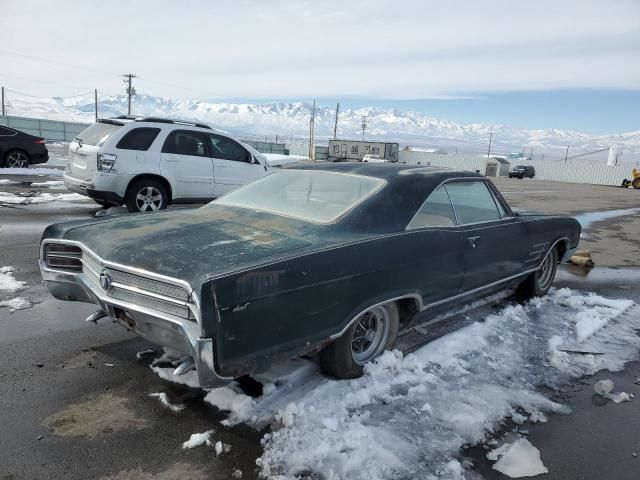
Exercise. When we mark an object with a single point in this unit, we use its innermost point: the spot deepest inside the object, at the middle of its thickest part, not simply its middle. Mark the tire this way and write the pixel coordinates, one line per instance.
(636, 183)
(146, 195)
(341, 359)
(538, 283)
(17, 159)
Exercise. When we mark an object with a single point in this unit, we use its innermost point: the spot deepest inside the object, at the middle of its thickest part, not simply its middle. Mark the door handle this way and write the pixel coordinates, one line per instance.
(473, 241)
(220, 165)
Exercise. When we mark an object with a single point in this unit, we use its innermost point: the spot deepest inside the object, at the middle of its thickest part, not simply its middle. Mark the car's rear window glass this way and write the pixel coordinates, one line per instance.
(314, 196)
(6, 131)
(436, 211)
(138, 139)
(97, 134)
(473, 202)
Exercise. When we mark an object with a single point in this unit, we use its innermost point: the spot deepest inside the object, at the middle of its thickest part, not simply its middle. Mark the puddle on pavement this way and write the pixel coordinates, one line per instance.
(179, 471)
(589, 218)
(105, 413)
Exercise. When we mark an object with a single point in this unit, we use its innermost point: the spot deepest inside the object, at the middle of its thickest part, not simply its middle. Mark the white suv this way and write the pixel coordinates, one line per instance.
(148, 163)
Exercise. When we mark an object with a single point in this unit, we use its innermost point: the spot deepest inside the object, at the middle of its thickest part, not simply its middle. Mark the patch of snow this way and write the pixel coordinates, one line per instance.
(18, 303)
(420, 408)
(49, 183)
(112, 211)
(8, 283)
(518, 459)
(39, 171)
(13, 199)
(197, 439)
(145, 353)
(4, 181)
(604, 388)
(236, 473)
(164, 399)
(190, 378)
(276, 159)
(222, 448)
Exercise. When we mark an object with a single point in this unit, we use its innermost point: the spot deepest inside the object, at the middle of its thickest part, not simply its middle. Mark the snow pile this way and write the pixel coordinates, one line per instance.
(8, 283)
(40, 171)
(49, 183)
(409, 415)
(164, 399)
(604, 388)
(4, 181)
(112, 211)
(13, 199)
(18, 303)
(518, 459)
(197, 439)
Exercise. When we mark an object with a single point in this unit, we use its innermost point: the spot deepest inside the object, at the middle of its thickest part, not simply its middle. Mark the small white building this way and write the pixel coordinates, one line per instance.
(497, 167)
(438, 151)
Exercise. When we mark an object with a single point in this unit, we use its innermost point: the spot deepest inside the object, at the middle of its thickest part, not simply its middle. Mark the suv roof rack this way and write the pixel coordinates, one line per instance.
(168, 120)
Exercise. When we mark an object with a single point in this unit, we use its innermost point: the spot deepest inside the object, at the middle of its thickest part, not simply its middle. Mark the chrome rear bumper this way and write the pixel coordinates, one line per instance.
(180, 334)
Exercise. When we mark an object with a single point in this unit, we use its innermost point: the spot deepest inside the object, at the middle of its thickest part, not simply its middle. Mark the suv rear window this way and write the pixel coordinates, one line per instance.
(97, 134)
(138, 139)
(6, 131)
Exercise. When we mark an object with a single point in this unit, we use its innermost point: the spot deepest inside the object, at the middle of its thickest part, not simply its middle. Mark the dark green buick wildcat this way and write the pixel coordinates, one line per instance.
(326, 258)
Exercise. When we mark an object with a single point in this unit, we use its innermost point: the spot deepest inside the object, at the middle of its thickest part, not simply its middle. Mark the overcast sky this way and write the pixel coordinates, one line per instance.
(298, 49)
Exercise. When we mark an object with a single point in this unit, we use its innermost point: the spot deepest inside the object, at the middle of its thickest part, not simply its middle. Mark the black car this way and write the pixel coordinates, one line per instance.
(19, 149)
(523, 171)
(330, 258)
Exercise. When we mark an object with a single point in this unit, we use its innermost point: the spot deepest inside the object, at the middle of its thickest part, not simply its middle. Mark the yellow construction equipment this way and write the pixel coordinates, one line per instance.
(635, 180)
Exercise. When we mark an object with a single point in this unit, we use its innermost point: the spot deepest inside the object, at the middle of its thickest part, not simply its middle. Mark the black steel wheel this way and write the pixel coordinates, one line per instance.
(373, 332)
(539, 282)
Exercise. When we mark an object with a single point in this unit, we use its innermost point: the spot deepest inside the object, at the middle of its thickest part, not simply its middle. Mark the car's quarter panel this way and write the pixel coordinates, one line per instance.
(545, 232)
(293, 306)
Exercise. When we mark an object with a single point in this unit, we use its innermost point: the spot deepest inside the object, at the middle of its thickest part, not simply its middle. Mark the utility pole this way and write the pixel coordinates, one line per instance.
(95, 98)
(531, 155)
(566, 155)
(490, 138)
(335, 125)
(311, 128)
(4, 112)
(364, 125)
(130, 90)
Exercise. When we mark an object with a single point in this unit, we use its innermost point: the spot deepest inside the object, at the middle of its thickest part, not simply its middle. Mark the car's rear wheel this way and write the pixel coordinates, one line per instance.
(146, 196)
(636, 183)
(16, 159)
(539, 282)
(372, 333)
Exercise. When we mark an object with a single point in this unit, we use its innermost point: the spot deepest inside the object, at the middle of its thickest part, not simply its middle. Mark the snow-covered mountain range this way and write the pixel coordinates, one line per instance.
(291, 120)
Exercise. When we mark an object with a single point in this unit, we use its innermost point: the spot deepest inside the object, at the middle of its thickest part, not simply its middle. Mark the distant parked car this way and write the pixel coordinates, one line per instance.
(373, 158)
(333, 258)
(523, 171)
(149, 163)
(19, 149)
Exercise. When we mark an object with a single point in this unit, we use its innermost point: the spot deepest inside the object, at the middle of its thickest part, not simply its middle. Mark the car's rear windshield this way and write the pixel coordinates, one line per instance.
(313, 196)
(97, 134)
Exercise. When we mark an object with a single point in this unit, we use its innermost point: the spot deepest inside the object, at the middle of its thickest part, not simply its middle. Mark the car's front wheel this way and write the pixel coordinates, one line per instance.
(146, 196)
(539, 282)
(16, 159)
(372, 333)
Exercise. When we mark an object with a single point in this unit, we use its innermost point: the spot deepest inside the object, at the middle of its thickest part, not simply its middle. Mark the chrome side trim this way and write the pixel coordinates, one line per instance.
(422, 307)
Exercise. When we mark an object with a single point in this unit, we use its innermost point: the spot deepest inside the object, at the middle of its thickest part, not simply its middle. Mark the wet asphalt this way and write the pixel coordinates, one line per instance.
(74, 398)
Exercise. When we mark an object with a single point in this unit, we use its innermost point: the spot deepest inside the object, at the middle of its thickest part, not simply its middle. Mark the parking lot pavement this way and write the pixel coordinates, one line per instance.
(76, 405)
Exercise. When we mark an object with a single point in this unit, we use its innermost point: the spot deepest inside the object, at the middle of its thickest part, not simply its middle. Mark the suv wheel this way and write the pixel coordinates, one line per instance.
(146, 196)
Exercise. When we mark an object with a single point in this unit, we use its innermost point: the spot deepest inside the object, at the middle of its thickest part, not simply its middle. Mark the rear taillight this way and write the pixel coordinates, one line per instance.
(40, 141)
(105, 162)
(63, 256)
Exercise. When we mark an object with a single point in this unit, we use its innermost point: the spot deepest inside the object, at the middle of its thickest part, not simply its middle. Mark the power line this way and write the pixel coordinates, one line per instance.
(39, 96)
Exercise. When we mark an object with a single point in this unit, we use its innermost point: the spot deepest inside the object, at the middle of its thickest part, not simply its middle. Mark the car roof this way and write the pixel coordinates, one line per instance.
(386, 171)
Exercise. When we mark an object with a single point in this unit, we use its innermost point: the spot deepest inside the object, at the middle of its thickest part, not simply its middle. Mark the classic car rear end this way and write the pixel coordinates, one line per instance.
(331, 259)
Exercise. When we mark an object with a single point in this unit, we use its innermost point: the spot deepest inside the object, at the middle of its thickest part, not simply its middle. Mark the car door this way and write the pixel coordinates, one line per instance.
(185, 162)
(436, 248)
(496, 242)
(232, 163)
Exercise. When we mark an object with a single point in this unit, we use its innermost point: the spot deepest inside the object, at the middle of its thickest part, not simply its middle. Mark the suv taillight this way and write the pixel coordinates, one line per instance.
(106, 161)
(40, 141)
(63, 257)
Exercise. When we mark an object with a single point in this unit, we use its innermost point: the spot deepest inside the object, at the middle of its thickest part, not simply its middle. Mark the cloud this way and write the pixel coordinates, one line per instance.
(278, 48)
